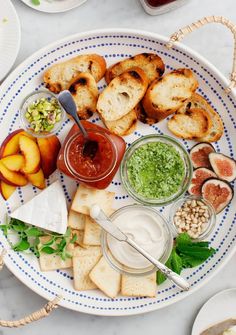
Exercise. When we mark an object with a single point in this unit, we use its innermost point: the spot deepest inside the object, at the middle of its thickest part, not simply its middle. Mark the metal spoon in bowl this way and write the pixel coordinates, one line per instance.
(66, 100)
(100, 217)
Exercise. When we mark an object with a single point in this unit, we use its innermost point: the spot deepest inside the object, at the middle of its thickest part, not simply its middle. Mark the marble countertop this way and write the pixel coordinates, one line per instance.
(216, 45)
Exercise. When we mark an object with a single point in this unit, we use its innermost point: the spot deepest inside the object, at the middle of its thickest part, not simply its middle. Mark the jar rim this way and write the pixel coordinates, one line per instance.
(75, 173)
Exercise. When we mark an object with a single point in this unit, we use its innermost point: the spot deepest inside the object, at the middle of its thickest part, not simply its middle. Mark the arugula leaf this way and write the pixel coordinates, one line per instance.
(160, 276)
(48, 250)
(34, 232)
(176, 262)
(18, 225)
(22, 245)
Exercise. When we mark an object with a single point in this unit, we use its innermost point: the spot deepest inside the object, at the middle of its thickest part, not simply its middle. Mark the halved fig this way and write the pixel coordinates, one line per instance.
(218, 192)
(199, 155)
(199, 176)
(223, 166)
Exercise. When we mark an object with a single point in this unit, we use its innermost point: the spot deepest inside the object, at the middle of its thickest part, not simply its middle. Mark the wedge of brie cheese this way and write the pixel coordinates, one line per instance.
(46, 210)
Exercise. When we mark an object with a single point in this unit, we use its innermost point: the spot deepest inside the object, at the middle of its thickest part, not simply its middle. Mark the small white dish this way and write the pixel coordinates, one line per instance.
(54, 6)
(10, 35)
(224, 306)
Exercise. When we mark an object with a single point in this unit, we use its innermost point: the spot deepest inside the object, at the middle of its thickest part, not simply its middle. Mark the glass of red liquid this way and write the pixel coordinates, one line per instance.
(155, 7)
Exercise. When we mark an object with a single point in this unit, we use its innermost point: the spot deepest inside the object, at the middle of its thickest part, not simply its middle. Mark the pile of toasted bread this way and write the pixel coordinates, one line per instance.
(137, 89)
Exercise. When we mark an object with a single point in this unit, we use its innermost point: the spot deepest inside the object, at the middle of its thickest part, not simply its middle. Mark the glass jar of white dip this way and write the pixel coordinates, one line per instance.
(145, 226)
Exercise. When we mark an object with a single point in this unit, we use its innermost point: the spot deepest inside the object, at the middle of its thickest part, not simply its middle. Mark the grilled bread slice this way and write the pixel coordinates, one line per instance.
(58, 76)
(122, 94)
(217, 128)
(126, 125)
(150, 63)
(85, 93)
(193, 124)
(167, 94)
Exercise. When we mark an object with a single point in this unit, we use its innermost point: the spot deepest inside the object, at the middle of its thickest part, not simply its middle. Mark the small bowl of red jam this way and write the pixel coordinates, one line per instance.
(97, 171)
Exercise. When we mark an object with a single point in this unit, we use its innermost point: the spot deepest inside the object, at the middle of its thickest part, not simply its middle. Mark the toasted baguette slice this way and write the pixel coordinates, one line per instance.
(151, 64)
(217, 128)
(85, 93)
(58, 76)
(195, 123)
(143, 117)
(125, 125)
(122, 94)
(166, 95)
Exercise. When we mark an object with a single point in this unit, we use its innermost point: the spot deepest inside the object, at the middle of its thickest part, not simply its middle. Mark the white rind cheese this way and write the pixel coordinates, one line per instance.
(46, 210)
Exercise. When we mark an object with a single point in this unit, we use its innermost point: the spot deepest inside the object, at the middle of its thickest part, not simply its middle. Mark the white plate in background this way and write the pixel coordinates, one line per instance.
(54, 6)
(10, 36)
(220, 307)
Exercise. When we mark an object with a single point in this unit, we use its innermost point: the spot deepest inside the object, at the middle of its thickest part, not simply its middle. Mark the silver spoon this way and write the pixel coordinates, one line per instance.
(100, 217)
(66, 100)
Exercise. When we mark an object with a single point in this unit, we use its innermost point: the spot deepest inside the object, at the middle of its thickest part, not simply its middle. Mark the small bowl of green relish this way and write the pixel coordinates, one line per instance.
(41, 114)
(156, 170)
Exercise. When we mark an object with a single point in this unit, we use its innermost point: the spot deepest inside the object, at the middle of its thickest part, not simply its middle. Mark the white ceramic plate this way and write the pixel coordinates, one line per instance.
(54, 6)
(224, 306)
(115, 45)
(10, 35)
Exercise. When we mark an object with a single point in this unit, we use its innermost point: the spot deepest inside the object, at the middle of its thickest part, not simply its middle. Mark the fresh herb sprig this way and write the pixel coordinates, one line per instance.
(186, 254)
(29, 239)
(35, 2)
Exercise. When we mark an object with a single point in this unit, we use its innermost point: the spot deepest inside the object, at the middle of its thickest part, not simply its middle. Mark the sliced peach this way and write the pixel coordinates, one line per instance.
(14, 162)
(49, 148)
(30, 151)
(37, 179)
(10, 145)
(11, 177)
(6, 190)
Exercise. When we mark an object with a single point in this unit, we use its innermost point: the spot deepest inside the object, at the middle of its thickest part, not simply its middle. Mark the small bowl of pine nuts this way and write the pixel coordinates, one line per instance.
(193, 215)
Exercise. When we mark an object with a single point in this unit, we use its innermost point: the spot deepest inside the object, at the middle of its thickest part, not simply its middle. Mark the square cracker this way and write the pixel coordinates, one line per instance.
(83, 262)
(80, 237)
(139, 286)
(76, 220)
(85, 197)
(53, 262)
(106, 278)
(92, 232)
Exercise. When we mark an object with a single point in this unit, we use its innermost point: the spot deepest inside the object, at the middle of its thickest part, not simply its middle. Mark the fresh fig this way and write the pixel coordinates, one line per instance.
(223, 166)
(199, 176)
(218, 192)
(199, 155)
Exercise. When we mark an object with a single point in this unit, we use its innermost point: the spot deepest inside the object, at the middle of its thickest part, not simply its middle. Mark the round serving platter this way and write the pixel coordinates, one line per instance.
(114, 45)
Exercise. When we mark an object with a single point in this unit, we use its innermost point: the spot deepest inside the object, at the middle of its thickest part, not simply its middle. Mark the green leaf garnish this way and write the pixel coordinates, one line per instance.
(186, 254)
(29, 239)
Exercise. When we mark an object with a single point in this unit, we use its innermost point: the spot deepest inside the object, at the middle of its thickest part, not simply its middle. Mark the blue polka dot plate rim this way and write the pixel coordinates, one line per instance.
(115, 45)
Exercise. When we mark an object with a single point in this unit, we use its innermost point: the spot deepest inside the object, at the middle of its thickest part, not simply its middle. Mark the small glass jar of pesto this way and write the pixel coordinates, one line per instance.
(41, 114)
(156, 170)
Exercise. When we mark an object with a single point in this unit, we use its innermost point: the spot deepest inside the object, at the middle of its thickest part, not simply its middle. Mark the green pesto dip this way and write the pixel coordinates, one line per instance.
(155, 170)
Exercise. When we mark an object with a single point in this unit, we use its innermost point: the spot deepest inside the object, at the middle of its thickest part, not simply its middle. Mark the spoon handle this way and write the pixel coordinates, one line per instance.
(174, 277)
(66, 100)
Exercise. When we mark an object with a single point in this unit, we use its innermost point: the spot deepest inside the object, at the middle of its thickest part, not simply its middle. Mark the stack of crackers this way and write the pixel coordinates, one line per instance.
(90, 268)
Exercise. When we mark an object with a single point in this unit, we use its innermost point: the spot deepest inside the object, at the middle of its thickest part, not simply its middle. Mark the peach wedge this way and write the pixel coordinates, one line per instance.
(11, 177)
(30, 151)
(6, 190)
(49, 148)
(10, 145)
(14, 162)
(37, 179)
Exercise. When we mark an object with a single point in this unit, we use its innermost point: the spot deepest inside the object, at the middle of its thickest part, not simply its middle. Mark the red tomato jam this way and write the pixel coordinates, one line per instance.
(86, 166)
(98, 171)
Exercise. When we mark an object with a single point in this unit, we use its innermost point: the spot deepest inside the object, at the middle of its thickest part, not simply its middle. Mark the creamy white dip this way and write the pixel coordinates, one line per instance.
(146, 229)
